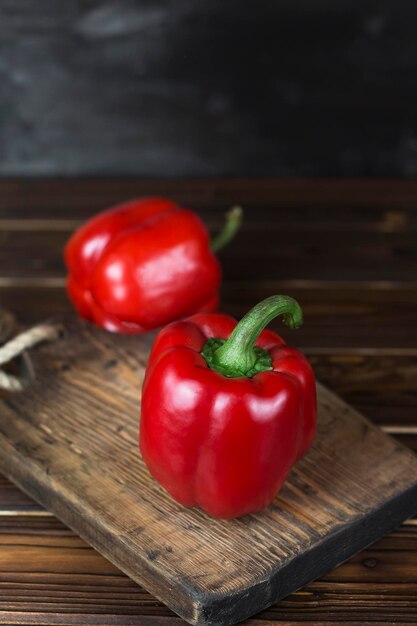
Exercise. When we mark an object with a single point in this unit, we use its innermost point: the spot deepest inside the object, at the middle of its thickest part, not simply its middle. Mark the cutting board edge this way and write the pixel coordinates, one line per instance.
(393, 512)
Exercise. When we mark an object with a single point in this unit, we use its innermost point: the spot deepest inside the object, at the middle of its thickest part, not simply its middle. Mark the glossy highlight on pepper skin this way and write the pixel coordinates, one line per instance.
(141, 265)
(223, 444)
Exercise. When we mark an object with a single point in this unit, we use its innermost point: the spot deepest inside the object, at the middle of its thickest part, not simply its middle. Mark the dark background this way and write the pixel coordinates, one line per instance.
(208, 87)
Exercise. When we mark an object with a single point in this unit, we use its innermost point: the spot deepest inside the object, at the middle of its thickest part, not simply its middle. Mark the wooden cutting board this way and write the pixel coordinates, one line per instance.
(70, 441)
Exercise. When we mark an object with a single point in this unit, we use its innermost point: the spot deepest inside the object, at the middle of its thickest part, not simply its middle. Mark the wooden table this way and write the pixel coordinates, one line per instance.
(346, 250)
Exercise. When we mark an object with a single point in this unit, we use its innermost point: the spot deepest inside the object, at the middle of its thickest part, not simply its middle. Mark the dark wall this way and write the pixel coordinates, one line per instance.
(205, 87)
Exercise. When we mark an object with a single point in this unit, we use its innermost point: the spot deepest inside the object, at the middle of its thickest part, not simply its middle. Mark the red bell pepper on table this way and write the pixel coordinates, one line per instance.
(227, 409)
(143, 264)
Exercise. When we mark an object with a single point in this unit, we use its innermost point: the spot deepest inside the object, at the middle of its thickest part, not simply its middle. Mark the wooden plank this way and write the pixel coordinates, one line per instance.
(72, 197)
(288, 218)
(272, 253)
(32, 303)
(338, 314)
(337, 317)
(47, 619)
(353, 318)
(383, 387)
(354, 485)
(13, 501)
(47, 570)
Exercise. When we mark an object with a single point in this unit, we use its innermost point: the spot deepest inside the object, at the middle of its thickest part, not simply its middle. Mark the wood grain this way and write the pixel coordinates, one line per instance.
(46, 569)
(71, 443)
(337, 316)
(14, 501)
(382, 386)
(368, 358)
(283, 253)
(327, 199)
(344, 248)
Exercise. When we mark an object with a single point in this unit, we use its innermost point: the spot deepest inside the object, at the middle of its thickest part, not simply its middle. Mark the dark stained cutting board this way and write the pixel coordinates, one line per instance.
(70, 441)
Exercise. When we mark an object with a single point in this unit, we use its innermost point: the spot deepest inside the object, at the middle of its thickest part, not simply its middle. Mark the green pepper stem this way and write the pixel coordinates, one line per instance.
(233, 222)
(237, 355)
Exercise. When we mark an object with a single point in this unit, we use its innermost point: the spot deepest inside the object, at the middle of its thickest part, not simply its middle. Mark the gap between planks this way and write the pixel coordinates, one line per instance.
(40, 225)
(67, 225)
(322, 285)
(20, 513)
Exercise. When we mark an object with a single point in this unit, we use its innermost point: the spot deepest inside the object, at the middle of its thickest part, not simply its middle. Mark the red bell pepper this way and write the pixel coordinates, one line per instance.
(227, 409)
(143, 264)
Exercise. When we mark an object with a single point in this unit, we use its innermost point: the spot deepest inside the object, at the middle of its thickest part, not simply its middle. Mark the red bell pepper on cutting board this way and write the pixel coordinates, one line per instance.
(227, 409)
(143, 264)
